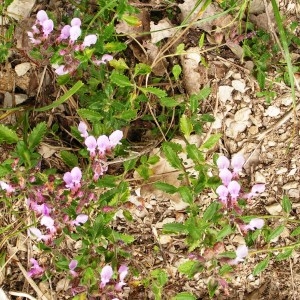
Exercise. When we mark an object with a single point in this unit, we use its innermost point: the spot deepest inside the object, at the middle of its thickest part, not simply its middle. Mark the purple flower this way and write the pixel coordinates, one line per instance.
(76, 22)
(6, 187)
(49, 223)
(103, 144)
(234, 189)
(65, 33)
(91, 144)
(38, 234)
(223, 162)
(47, 27)
(75, 33)
(115, 138)
(222, 191)
(36, 269)
(72, 266)
(123, 271)
(225, 176)
(106, 274)
(40, 209)
(60, 70)
(82, 128)
(256, 189)
(80, 219)
(241, 252)
(255, 224)
(41, 17)
(72, 179)
(237, 163)
(105, 58)
(89, 40)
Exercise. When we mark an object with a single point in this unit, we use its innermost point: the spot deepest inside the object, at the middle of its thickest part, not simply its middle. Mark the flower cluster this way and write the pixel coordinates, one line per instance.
(66, 39)
(99, 148)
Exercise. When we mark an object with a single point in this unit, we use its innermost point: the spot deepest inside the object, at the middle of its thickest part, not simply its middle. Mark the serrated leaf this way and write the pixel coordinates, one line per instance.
(275, 233)
(212, 141)
(225, 269)
(90, 115)
(155, 91)
(286, 204)
(212, 287)
(168, 102)
(115, 47)
(129, 164)
(186, 194)
(190, 268)
(168, 188)
(174, 228)
(261, 266)
(171, 156)
(127, 115)
(226, 230)
(184, 296)
(69, 158)
(120, 79)
(7, 135)
(284, 255)
(194, 153)
(4, 170)
(211, 211)
(296, 231)
(186, 125)
(142, 69)
(36, 135)
(160, 276)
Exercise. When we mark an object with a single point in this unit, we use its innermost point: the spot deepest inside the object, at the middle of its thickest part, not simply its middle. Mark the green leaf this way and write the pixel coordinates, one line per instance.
(142, 69)
(36, 135)
(212, 287)
(168, 188)
(144, 171)
(126, 238)
(5, 170)
(286, 204)
(114, 47)
(119, 64)
(174, 228)
(190, 268)
(296, 231)
(194, 153)
(186, 125)
(160, 276)
(275, 233)
(186, 194)
(7, 135)
(69, 158)
(127, 115)
(63, 98)
(153, 159)
(168, 102)
(171, 156)
(261, 266)
(211, 211)
(176, 70)
(90, 115)
(212, 141)
(226, 230)
(129, 164)
(155, 91)
(225, 269)
(131, 20)
(228, 254)
(184, 296)
(120, 79)
(284, 255)
(89, 277)
(180, 49)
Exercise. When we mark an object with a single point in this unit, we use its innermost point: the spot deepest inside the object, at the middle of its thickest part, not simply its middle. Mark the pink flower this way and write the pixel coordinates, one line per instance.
(115, 138)
(89, 40)
(241, 252)
(106, 274)
(47, 27)
(256, 189)
(72, 179)
(105, 58)
(38, 234)
(75, 33)
(91, 144)
(76, 22)
(40, 209)
(222, 191)
(65, 32)
(237, 163)
(82, 128)
(72, 266)
(41, 17)
(225, 176)
(60, 70)
(234, 189)
(103, 144)
(223, 162)
(80, 219)
(123, 271)
(49, 223)
(36, 269)
(255, 224)
(6, 187)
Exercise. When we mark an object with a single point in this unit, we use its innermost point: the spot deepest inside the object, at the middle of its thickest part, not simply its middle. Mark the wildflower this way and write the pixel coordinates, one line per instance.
(241, 252)
(49, 223)
(225, 176)
(72, 179)
(80, 219)
(65, 33)
(234, 189)
(40, 209)
(237, 163)
(75, 33)
(103, 144)
(6, 187)
(222, 191)
(82, 128)
(123, 271)
(60, 70)
(91, 144)
(36, 269)
(38, 234)
(76, 22)
(105, 58)
(223, 162)
(48, 26)
(106, 274)
(115, 138)
(41, 17)
(89, 40)
(255, 224)
(72, 266)
(256, 189)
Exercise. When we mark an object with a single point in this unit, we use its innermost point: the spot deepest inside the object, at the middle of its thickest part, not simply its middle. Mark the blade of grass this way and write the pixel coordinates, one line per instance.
(285, 47)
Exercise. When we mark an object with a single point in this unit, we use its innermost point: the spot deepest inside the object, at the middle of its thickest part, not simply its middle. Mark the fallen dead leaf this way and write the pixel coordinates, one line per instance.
(164, 29)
